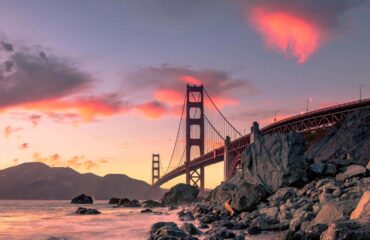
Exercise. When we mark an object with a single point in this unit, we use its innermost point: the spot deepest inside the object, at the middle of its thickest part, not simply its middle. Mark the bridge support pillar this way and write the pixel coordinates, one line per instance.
(195, 123)
(255, 131)
(155, 168)
(227, 162)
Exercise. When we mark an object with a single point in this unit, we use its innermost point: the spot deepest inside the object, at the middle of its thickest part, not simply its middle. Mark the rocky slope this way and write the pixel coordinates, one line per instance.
(39, 181)
(289, 190)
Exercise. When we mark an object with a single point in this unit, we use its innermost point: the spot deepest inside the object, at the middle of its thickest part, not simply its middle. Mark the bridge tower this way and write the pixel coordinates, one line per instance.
(155, 168)
(195, 125)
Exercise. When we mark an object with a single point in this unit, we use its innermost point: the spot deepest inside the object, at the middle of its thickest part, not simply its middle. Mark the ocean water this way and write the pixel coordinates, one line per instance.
(42, 220)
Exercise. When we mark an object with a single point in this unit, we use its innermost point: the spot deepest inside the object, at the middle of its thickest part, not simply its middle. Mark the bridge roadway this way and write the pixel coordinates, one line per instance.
(318, 119)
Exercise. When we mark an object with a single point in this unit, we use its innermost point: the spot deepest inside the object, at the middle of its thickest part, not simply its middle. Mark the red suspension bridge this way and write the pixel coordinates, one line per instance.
(205, 136)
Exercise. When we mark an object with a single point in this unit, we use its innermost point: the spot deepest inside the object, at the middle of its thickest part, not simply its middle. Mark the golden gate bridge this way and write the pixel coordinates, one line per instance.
(205, 136)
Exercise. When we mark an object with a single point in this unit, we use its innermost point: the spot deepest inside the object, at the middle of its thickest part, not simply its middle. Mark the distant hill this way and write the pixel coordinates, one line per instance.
(39, 181)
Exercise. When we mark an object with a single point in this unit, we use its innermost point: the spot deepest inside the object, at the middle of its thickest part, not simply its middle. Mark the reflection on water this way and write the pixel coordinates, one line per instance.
(48, 219)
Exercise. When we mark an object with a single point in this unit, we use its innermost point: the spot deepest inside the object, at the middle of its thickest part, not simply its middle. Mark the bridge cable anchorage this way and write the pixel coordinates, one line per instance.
(218, 110)
(177, 135)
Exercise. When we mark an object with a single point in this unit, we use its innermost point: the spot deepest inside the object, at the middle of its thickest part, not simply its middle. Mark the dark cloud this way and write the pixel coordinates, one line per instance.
(8, 66)
(170, 77)
(36, 79)
(7, 46)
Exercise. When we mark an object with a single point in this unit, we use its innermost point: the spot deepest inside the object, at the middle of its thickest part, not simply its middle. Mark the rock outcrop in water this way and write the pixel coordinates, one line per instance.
(180, 194)
(284, 192)
(82, 199)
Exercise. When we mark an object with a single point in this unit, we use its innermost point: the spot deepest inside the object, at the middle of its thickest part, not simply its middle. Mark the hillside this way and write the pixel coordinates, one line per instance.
(39, 181)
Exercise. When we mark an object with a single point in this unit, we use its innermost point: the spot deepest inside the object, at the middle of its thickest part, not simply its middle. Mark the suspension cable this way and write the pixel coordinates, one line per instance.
(218, 110)
(177, 134)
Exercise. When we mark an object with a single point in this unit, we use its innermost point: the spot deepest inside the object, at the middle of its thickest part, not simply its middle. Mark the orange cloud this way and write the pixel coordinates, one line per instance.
(153, 109)
(191, 80)
(169, 96)
(286, 33)
(76, 162)
(8, 131)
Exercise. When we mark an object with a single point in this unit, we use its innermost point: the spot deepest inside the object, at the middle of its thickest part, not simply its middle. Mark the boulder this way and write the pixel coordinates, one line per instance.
(168, 230)
(180, 194)
(114, 200)
(317, 168)
(222, 193)
(363, 207)
(151, 204)
(82, 199)
(334, 210)
(147, 210)
(269, 212)
(352, 171)
(282, 194)
(348, 141)
(129, 203)
(190, 229)
(275, 161)
(87, 211)
(358, 229)
(246, 197)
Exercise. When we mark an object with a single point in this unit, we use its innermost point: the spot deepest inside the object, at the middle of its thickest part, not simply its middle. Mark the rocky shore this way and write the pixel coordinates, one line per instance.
(291, 186)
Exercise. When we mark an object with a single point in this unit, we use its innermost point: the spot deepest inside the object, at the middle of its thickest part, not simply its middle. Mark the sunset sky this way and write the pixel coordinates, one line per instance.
(98, 85)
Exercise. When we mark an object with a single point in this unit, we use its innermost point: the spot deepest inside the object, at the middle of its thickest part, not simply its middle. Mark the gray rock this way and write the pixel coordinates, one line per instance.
(299, 217)
(114, 200)
(222, 193)
(347, 141)
(180, 194)
(363, 207)
(275, 161)
(317, 168)
(358, 229)
(330, 170)
(82, 199)
(190, 229)
(151, 204)
(282, 194)
(270, 213)
(87, 211)
(353, 170)
(333, 211)
(246, 197)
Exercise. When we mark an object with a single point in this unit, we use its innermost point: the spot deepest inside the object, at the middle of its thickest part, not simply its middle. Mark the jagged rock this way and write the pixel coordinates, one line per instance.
(330, 170)
(221, 232)
(147, 210)
(358, 229)
(317, 168)
(82, 199)
(270, 213)
(114, 200)
(87, 211)
(151, 204)
(299, 217)
(186, 216)
(129, 203)
(203, 225)
(363, 207)
(368, 166)
(246, 197)
(275, 161)
(180, 194)
(353, 170)
(333, 211)
(282, 194)
(222, 193)
(347, 141)
(190, 229)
